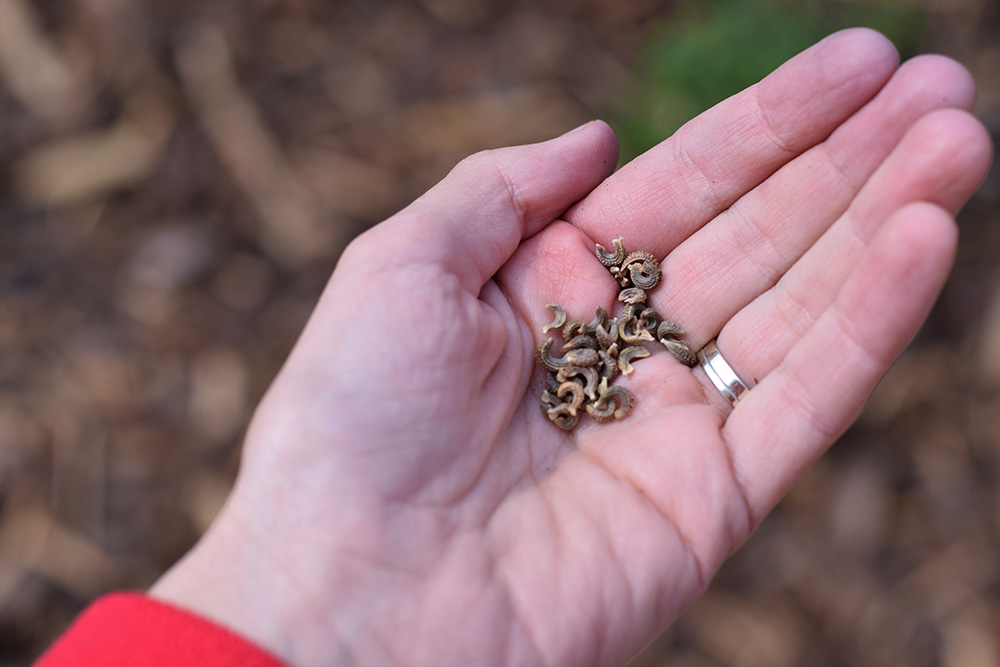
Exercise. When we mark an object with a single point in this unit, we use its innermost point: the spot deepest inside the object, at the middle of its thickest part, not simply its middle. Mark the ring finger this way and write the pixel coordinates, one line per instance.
(940, 161)
(745, 250)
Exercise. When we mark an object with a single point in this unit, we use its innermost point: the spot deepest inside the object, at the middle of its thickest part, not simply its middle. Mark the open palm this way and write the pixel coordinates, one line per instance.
(403, 499)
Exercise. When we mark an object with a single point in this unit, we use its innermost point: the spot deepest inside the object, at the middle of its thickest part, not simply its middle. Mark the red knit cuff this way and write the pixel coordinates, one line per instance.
(130, 629)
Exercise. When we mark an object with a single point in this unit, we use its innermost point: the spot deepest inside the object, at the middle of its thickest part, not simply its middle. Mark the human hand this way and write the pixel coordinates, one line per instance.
(403, 499)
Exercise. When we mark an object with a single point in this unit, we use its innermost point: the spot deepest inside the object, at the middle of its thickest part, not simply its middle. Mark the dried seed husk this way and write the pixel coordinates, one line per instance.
(643, 270)
(562, 417)
(612, 258)
(621, 276)
(604, 413)
(545, 358)
(668, 328)
(582, 357)
(621, 395)
(649, 320)
(607, 336)
(628, 355)
(576, 394)
(549, 401)
(632, 295)
(587, 376)
(608, 368)
(681, 351)
(573, 328)
(631, 311)
(613, 402)
(630, 333)
(600, 319)
(560, 317)
(580, 342)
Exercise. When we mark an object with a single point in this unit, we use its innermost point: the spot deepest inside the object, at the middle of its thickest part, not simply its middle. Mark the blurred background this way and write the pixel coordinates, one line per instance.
(177, 178)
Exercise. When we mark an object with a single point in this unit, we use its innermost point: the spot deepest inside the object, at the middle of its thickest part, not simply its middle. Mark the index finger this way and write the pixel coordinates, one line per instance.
(664, 195)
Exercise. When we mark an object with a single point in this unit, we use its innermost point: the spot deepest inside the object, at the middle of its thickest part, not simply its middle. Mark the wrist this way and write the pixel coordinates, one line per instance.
(229, 579)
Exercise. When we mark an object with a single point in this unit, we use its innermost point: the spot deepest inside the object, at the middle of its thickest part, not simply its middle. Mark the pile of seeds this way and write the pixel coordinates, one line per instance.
(594, 353)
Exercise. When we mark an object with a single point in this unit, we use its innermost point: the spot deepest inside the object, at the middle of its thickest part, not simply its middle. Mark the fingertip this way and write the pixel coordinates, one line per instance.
(472, 221)
(609, 141)
(903, 272)
(924, 231)
(942, 158)
(861, 45)
(934, 75)
(601, 136)
(589, 125)
(979, 145)
(606, 132)
(962, 148)
(815, 91)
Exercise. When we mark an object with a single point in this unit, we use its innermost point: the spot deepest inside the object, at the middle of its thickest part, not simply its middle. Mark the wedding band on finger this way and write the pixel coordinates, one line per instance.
(721, 373)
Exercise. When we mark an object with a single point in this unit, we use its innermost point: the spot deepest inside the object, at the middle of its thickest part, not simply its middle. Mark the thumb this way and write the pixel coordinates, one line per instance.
(473, 220)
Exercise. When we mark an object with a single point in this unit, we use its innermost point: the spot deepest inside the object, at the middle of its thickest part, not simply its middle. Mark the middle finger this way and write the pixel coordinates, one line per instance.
(745, 250)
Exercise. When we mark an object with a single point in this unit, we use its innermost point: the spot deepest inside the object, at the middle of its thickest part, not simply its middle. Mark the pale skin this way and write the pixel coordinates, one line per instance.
(403, 500)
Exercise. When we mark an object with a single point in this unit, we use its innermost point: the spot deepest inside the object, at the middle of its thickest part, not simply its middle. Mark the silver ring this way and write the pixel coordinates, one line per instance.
(721, 373)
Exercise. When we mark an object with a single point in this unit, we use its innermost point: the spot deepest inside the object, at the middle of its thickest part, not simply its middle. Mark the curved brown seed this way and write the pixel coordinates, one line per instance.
(580, 342)
(620, 275)
(681, 351)
(608, 368)
(644, 275)
(547, 361)
(576, 392)
(562, 417)
(600, 319)
(560, 317)
(604, 412)
(639, 256)
(632, 295)
(581, 357)
(612, 259)
(643, 269)
(588, 375)
(549, 401)
(649, 320)
(613, 402)
(573, 328)
(631, 334)
(551, 383)
(622, 396)
(669, 328)
(628, 355)
(607, 336)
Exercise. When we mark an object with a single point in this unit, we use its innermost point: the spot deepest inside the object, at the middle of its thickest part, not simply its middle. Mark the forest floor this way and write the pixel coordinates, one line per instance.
(176, 182)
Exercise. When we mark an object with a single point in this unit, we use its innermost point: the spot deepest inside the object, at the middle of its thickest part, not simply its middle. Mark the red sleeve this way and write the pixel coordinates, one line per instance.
(130, 629)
